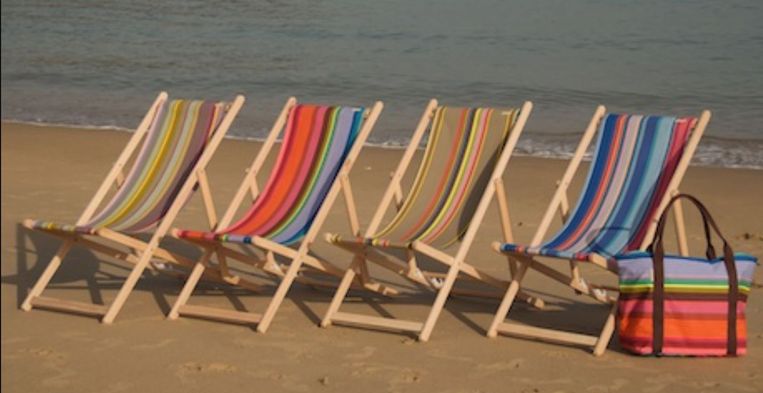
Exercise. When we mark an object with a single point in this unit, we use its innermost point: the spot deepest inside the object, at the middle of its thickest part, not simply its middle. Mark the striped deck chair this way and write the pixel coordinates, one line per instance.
(465, 157)
(178, 139)
(320, 145)
(637, 166)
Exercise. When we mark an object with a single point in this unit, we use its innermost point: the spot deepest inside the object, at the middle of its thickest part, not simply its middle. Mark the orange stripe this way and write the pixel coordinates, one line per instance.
(289, 171)
(443, 181)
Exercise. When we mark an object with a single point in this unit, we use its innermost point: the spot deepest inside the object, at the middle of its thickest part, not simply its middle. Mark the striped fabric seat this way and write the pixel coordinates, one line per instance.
(463, 146)
(176, 138)
(635, 159)
(317, 140)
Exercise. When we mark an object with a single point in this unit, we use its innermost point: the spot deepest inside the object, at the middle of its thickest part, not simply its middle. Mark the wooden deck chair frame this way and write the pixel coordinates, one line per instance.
(409, 269)
(110, 243)
(560, 203)
(300, 257)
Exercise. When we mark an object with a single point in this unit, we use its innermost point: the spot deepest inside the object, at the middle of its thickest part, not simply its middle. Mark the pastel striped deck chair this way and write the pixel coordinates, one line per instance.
(320, 145)
(461, 171)
(177, 139)
(638, 164)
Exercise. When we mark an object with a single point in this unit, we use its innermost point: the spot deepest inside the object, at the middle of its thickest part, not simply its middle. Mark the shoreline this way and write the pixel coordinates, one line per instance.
(382, 145)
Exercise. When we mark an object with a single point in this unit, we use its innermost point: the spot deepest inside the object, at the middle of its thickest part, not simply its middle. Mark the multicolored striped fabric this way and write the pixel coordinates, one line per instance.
(463, 146)
(696, 304)
(317, 140)
(174, 142)
(635, 159)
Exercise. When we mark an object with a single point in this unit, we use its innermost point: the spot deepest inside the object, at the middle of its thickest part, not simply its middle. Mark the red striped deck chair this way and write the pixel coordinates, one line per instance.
(169, 152)
(461, 171)
(638, 164)
(320, 145)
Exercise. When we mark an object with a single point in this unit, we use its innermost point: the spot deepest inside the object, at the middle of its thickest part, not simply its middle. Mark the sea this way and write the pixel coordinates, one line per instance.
(100, 63)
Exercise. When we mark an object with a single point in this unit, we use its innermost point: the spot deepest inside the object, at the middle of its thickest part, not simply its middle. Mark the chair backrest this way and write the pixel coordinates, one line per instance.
(316, 142)
(461, 153)
(634, 161)
(175, 140)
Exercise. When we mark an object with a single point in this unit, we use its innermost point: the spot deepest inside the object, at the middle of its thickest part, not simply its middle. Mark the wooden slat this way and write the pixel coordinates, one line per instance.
(380, 322)
(68, 305)
(547, 334)
(219, 314)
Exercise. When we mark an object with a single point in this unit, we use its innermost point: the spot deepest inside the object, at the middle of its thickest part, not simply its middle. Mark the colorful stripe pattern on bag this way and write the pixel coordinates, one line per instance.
(174, 142)
(696, 304)
(463, 146)
(634, 160)
(316, 142)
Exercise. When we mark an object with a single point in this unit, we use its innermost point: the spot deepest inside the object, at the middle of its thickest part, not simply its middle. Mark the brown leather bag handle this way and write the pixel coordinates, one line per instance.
(658, 261)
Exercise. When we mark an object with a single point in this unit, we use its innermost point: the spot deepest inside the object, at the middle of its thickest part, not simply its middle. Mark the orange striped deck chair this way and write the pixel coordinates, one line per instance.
(637, 166)
(319, 147)
(169, 152)
(461, 171)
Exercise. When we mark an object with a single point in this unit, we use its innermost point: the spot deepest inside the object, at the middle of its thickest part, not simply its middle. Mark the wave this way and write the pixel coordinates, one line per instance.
(713, 151)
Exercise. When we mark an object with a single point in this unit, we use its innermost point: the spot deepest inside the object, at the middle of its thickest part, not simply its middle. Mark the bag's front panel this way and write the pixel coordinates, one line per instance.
(695, 305)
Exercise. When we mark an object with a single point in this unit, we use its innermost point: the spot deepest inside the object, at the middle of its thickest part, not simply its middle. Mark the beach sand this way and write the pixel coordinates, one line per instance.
(51, 173)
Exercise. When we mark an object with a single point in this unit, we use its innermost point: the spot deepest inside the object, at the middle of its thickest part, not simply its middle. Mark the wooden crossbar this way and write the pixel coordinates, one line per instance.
(69, 305)
(515, 329)
(219, 314)
(379, 322)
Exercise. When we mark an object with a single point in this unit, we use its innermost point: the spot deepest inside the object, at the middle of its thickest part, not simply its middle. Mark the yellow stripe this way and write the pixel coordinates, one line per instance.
(150, 173)
(177, 158)
(429, 154)
(460, 176)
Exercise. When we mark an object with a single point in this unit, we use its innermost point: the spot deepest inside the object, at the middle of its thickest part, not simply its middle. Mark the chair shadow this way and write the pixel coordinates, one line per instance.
(34, 250)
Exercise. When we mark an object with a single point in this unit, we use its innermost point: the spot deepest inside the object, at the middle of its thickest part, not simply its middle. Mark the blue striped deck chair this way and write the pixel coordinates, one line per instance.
(164, 161)
(638, 163)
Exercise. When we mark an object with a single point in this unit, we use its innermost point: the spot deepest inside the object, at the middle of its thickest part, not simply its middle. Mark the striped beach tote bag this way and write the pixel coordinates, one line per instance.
(684, 306)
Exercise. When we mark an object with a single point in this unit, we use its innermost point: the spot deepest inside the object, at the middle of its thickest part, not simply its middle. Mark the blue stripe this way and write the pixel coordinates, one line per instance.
(601, 156)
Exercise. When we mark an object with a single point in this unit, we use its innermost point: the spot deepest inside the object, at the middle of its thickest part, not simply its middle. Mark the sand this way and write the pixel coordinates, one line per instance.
(51, 172)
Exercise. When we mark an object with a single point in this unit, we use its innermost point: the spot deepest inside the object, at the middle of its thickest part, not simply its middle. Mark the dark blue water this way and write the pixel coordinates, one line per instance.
(101, 62)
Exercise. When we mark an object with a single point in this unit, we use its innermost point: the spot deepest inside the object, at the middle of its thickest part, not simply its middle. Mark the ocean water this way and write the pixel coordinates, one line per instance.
(100, 63)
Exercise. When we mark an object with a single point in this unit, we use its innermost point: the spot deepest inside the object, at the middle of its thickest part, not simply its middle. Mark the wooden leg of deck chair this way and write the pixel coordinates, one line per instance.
(280, 294)
(606, 332)
(47, 274)
(190, 285)
(439, 303)
(508, 299)
(128, 285)
(341, 291)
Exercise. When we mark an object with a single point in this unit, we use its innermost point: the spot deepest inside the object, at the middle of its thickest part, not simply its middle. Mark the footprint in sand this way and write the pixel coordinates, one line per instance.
(404, 377)
(44, 353)
(205, 368)
(557, 355)
(52, 360)
(364, 353)
(492, 368)
(616, 385)
(287, 382)
(160, 344)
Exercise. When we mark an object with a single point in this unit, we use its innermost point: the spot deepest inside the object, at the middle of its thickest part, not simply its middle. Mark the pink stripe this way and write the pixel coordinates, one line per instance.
(286, 146)
(681, 131)
(304, 171)
(680, 307)
(466, 181)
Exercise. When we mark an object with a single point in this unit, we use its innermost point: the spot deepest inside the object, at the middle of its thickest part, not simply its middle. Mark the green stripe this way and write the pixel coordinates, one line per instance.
(317, 167)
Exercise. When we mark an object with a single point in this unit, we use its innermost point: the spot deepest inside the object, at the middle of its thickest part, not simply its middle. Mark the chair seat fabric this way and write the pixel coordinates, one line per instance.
(174, 142)
(634, 161)
(316, 142)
